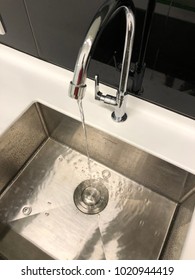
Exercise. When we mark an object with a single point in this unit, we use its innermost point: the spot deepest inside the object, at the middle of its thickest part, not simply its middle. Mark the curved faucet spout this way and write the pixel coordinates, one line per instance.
(102, 18)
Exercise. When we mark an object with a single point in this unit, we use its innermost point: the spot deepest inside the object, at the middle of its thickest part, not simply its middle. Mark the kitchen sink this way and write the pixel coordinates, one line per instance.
(43, 160)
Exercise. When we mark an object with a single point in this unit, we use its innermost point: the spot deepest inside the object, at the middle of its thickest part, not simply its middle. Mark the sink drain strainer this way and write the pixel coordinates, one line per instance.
(91, 196)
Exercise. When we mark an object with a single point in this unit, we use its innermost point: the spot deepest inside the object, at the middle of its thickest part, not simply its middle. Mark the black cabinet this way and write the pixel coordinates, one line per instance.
(18, 31)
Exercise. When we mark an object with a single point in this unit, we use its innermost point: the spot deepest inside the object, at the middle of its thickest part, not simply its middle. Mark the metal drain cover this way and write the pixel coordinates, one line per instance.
(91, 196)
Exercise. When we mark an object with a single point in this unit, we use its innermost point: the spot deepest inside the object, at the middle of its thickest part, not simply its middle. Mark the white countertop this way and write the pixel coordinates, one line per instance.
(25, 79)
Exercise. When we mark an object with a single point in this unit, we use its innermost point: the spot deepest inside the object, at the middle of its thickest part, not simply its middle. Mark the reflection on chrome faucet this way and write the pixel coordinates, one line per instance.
(77, 86)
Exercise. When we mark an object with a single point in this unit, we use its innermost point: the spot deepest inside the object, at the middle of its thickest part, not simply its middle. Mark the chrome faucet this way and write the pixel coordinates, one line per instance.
(77, 86)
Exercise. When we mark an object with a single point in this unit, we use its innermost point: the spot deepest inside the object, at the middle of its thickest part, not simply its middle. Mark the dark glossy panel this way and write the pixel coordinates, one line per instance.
(170, 57)
(18, 32)
(60, 27)
(169, 78)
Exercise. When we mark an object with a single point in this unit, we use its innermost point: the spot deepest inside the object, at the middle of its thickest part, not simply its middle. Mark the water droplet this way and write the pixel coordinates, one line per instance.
(130, 190)
(146, 201)
(60, 158)
(157, 233)
(119, 190)
(106, 174)
(139, 188)
(29, 192)
(141, 223)
(26, 210)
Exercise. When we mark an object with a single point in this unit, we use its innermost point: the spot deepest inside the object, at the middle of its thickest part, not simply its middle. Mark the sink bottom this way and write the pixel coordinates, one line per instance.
(39, 207)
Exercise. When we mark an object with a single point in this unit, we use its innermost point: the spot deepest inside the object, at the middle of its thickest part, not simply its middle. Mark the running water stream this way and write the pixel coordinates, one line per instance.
(91, 196)
(80, 105)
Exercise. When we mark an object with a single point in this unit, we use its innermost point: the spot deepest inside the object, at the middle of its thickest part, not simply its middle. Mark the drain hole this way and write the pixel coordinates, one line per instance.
(91, 196)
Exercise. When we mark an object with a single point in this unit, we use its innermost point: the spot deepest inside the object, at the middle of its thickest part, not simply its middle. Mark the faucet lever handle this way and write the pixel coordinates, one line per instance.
(108, 99)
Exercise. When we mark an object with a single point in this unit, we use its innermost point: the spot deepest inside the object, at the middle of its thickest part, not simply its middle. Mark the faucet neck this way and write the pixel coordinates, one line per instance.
(119, 112)
(102, 18)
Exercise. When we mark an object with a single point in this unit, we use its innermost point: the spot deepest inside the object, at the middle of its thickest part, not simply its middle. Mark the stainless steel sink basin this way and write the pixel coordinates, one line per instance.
(42, 161)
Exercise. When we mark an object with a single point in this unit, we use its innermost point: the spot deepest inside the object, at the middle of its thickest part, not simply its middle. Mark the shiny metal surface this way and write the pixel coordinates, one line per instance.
(38, 217)
(108, 99)
(173, 247)
(91, 196)
(47, 186)
(18, 143)
(137, 165)
(77, 86)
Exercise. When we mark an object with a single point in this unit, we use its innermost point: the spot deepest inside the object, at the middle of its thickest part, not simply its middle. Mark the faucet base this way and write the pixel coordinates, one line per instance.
(119, 119)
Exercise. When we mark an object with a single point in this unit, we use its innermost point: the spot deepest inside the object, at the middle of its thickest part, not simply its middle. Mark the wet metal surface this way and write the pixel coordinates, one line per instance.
(137, 165)
(133, 225)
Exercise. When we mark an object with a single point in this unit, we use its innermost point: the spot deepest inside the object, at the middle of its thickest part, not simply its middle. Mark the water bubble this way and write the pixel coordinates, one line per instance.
(98, 174)
(106, 174)
(94, 176)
